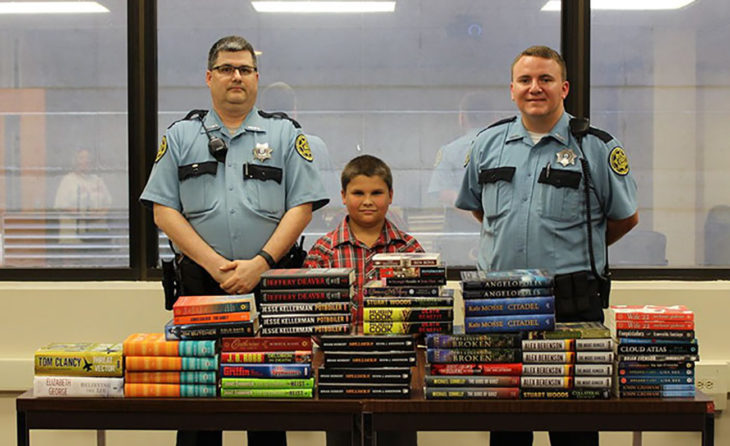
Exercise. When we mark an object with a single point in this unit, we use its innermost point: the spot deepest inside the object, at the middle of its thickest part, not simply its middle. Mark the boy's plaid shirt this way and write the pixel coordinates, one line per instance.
(340, 249)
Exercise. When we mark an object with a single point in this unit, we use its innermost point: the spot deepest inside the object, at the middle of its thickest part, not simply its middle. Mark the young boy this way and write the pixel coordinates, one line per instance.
(367, 191)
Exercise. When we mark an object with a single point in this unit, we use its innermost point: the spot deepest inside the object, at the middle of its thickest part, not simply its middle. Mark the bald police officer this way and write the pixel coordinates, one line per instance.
(525, 182)
(233, 188)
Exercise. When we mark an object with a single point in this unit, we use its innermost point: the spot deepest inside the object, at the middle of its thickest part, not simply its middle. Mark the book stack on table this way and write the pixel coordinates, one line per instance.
(79, 370)
(267, 367)
(508, 301)
(155, 367)
(406, 295)
(212, 317)
(656, 351)
(297, 302)
(467, 366)
(575, 362)
(366, 366)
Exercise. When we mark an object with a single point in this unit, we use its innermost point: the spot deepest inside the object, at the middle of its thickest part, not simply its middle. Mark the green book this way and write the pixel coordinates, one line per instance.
(265, 383)
(266, 393)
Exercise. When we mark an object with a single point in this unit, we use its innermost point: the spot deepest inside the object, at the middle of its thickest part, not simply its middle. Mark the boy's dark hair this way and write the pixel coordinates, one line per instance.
(367, 165)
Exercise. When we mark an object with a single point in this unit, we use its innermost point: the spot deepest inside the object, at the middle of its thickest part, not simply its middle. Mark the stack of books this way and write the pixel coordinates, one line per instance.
(473, 366)
(656, 351)
(270, 367)
(297, 302)
(366, 366)
(212, 317)
(155, 367)
(575, 362)
(79, 370)
(508, 301)
(406, 295)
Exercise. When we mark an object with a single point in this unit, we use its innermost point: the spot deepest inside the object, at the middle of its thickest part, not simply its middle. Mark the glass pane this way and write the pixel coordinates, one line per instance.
(63, 139)
(387, 84)
(660, 84)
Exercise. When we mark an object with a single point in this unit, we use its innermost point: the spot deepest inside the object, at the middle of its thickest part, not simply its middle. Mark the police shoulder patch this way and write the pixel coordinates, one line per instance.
(439, 157)
(468, 158)
(618, 161)
(162, 150)
(302, 146)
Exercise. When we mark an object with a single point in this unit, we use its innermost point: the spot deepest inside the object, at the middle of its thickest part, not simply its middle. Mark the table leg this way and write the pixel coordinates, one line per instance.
(368, 434)
(100, 437)
(708, 434)
(23, 433)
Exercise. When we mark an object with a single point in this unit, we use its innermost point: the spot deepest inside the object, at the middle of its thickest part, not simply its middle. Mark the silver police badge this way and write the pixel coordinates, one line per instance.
(566, 157)
(262, 152)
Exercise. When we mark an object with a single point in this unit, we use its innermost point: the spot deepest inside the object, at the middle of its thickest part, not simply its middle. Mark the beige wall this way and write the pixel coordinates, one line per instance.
(37, 313)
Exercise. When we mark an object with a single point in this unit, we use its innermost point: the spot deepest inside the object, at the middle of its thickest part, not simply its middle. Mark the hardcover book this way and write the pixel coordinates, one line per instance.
(299, 330)
(425, 302)
(476, 369)
(653, 325)
(509, 355)
(657, 349)
(506, 292)
(406, 259)
(227, 392)
(517, 278)
(566, 394)
(387, 343)
(212, 318)
(307, 295)
(154, 344)
(78, 386)
(652, 367)
(657, 358)
(187, 305)
(656, 380)
(169, 390)
(655, 373)
(377, 288)
(296, 278)
(656, 334)
(472, 381)
(457, 393)
(411, 272)
(514, 305)
(267, 383)
(494, 340)
(656, 393)
(574, 330)
(265, 370)
(210, 331)
(388, 328)
(490, 324)
(369, 391)
(385, 314)
(349, 359)
(79, 359)
(363, 374)
(173, 377)
(278, 320)
(306, 307)
(536, 345)
(300, 356)
(415, 281)
(161, 363)
(273, 343)
(650, 313)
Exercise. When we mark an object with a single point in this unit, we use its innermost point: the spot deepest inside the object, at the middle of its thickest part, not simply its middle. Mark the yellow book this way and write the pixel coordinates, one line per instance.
(79, 359)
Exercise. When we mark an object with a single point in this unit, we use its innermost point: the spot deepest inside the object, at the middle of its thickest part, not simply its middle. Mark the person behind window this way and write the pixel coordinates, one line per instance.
(84, 199)
(367, 192)
(233, 188)
(525, 183)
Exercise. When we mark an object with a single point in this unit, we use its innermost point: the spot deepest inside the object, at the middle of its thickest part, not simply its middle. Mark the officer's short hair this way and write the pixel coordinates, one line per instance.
(544, 52)
(229, 43)
(369, 166)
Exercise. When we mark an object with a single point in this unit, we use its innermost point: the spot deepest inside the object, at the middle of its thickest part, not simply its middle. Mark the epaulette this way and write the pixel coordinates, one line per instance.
(603, 136)
(192, 114)
(279, 115)
(498, 123)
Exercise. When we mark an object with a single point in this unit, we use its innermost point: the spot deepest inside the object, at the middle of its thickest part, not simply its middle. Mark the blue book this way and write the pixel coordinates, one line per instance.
(515, 305)
(528, 322)
(266, 370)
(655, 373)
(657, 380)
(656, 387)
(645, 341)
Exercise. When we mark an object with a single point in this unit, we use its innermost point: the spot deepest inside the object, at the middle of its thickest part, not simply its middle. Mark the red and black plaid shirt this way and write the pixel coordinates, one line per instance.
(340, 249)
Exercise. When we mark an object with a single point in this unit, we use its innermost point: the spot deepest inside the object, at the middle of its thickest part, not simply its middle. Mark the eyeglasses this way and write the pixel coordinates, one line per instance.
(228, 70)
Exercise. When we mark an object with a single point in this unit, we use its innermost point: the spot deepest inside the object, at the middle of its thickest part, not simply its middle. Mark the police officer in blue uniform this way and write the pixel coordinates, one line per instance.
(526, 181)
(233, 188)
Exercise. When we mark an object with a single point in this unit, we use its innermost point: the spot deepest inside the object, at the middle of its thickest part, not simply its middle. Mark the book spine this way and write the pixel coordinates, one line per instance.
(384, 314)
(170, 377)
(605, 344)
(212, 308)
(506, 292)
(209, 331)
(548, 369)
(303, 356)
(354, 360)
(655, 387)
(365, 375)
(654, 373)
(455, 393)
(364, 392)
(476, 369)
(297, 296)
(265, 383)
(329, 343)
(374, 328)
(304, 319)
(594, 357)
(655, 317)
(546, 382)
(656, 394)
(285, 343)
(161, 363)
(414, 281)
(487, 324)
(652, 367)
(412, 272)
(435, 356)
(422, 291)
(568, 394)
(294, 282)
(169, 390)
(305, 329)
(593, 370)
(471, 381)
(656, 380)
(548, 345)
(657, 349)
(501, 340)
(78, 386)
(657, 358)
(592, 382)
(79, 364)
(656, 334)
(548, 357)
(265, 393)
(212, 318)
(515, 305)
(265, 370)
(443, 301)
(654, 325)
(170, 348)
(311, 307)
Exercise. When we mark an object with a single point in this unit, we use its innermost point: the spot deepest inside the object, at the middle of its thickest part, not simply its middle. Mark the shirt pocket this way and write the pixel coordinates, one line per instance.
(560, 194)
(265, 189)
(197, 187)
(497, 190)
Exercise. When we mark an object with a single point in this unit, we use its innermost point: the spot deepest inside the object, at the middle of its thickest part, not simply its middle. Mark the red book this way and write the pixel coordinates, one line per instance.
(212, 318)
(655, 325)
(678, 313)
(186, 305)
(270, 343)
(477, 369)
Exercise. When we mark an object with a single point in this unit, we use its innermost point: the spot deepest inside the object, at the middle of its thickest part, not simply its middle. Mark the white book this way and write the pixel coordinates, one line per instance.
(78, 386)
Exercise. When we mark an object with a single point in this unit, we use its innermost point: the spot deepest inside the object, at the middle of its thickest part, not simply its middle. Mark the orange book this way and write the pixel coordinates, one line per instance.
(241, 316)
(173, 377)
(169, 390)
(162, 363)
(154, 344)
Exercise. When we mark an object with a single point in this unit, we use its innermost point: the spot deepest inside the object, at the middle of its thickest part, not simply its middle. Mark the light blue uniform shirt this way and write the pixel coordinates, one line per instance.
(529, 224)
(235, 216)
(449, 167)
